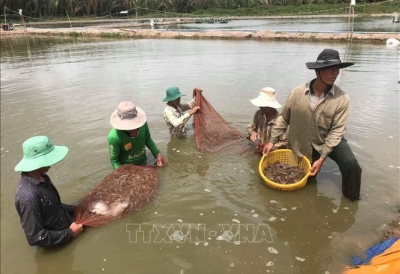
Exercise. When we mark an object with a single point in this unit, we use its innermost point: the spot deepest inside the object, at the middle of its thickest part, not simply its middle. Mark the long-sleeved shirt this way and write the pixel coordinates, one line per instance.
(176, 119)
(321, 128)
(264, 129)
(128, 150)
(44, 219)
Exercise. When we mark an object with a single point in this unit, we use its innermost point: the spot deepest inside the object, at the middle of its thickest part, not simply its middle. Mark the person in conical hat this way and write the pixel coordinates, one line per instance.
(317, 113)
(265, 118)
(177, 114)
(130, 136)
(45, 220)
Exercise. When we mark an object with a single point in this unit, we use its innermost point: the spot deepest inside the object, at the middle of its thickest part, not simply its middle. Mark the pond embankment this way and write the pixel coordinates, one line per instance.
(204, 34)
(131, 28)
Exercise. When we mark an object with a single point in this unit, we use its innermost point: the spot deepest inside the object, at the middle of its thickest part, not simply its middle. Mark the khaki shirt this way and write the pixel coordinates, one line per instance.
(321, 128)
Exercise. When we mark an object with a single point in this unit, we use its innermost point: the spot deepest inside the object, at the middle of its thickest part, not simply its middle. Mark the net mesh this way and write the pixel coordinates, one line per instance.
(212, 132)
(127, 189)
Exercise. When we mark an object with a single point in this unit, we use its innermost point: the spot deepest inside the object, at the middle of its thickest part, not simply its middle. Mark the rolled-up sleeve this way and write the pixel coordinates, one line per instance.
(338, 127)
(279, 131)
(282, 140)
(189, 105)
(170, 117)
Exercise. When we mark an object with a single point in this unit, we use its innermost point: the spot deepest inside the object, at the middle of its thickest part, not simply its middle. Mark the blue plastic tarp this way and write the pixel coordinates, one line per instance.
(373, 251)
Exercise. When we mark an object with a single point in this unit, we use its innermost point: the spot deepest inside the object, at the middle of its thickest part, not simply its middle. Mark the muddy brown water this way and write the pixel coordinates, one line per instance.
(212, 214)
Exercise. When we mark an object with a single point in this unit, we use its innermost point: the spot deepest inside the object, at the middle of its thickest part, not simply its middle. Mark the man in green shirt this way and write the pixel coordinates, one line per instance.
(317, 113)
(130, 136)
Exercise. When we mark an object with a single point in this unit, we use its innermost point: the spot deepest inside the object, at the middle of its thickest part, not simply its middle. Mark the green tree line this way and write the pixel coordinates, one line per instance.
(60, 8)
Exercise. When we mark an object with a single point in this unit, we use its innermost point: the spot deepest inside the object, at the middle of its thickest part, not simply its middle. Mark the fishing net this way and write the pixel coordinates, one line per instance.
(213, 133)
(127, 189)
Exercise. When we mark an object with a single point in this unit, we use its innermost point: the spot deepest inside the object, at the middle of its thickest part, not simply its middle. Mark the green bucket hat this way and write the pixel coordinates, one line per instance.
(173, 93)
(40, 152)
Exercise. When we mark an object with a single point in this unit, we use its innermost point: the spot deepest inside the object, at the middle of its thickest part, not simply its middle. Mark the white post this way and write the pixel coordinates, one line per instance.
(112, 19)
(5, 15)
(395, 17)
(68, 18)
(137, 21)
(351, 18)
(21, 17)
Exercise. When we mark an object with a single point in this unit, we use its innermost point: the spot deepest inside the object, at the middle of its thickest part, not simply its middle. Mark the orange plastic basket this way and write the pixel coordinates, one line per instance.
(285, 156)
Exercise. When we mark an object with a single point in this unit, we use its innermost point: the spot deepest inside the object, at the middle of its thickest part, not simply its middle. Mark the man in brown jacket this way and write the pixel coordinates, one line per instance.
(317, 113)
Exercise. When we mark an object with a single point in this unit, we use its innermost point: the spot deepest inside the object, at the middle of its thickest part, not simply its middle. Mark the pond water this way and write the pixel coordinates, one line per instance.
(302, 24)
(370, 24)
(67, 88)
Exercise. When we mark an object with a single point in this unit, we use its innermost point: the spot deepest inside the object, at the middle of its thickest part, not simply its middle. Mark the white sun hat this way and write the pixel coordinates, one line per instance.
(266, 98)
